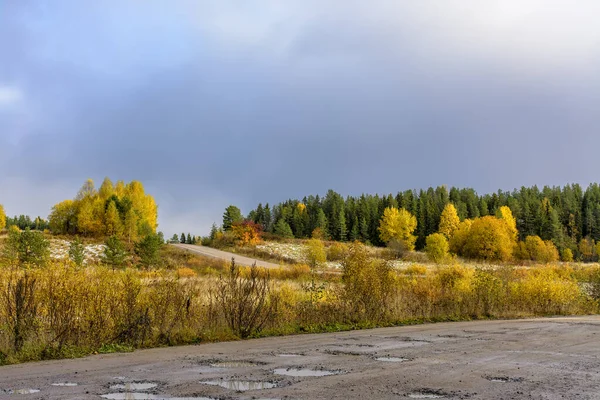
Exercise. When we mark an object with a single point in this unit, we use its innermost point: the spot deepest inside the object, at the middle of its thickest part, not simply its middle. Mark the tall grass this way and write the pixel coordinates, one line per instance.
(63, 311)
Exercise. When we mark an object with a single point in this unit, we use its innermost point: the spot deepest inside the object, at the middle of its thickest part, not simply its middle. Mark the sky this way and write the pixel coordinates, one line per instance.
(211, 103)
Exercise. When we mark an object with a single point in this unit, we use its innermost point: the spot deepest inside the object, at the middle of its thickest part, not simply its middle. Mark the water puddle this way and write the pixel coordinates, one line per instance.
(502, 379)
(233, 364)
(392, 359)
(425, 396)
(304, 372)
(134, 386)
(145, 396)
(289, 355)
(242, 386)
(25, 391)
(64, 384)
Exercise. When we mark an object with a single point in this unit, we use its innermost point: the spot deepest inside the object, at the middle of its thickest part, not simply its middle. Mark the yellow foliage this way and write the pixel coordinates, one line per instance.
(398, 225)
(489, 238)
(506, 215)
(538, 250)
(449, 221)
(459, 238)
(567, 255)
(337, 251)
(437, 247)
(2, 217)
(314, 253)
(185, 272)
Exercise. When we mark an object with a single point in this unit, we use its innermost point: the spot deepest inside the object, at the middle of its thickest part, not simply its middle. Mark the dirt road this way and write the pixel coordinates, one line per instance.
(224, 255)
(557, 358)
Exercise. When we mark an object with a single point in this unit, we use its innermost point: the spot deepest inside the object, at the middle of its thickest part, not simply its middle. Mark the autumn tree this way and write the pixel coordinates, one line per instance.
(63, 218)
(398, 225)
(231, 215)
(459, 238)
(489, 238)
(505, 214)
(437, 247)
(112, 222)
(247, 233)
(540, 250)
(449, 221)
(2, 217)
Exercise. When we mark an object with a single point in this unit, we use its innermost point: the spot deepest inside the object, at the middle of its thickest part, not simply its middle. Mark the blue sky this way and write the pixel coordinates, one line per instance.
(210, 103)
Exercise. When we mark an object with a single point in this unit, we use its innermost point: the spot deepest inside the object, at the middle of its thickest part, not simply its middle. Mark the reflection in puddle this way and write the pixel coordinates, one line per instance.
(145, 396)
(392, 359)
(64, 384)
(303, 372)
(134, 386)
(233, 364)
(425, 396)
(241, 386)
(26, 391)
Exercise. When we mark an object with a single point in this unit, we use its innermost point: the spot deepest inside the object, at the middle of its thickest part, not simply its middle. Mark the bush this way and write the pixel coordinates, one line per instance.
(567, 255)
(337, 251)
(437, 247)
(489, 238)
(244, 301)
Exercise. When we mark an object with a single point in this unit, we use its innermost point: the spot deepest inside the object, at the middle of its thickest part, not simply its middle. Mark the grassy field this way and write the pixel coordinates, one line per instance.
(63, 311)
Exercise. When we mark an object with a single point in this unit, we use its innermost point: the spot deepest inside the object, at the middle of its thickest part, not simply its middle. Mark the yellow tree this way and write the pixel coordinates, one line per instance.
(449, 221)
(436, 247)
(131, 226)
(2, 217)
(459, 238)
(112, 222)
(489, 239)
(398, 225)
(63, 218)
(506, 215)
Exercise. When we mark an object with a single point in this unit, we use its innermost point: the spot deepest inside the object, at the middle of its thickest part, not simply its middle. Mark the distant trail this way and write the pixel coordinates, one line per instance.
(224, 255)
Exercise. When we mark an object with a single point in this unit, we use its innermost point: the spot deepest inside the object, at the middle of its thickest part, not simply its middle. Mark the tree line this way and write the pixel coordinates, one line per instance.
(569, 216)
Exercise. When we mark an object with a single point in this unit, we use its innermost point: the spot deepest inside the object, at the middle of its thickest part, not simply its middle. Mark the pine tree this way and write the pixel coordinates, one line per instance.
(283, 229)
(189, 239)
(342, 230)
(231, 215)
(182, 238)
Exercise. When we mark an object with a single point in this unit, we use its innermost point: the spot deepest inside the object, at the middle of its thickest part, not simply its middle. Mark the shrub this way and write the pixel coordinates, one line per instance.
(114, 253)
(337, 251)
(77, 252)
(567, 255)
(244, 302)
(489, 238)
(437, 247)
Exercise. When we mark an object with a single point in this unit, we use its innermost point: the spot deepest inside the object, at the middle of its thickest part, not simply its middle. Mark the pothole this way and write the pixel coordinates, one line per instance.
(304, 372)
(241, 386)
(392, 359)
(502, 379)
(133, 386)
(427, 394)
(233, 364)
(64, 384)
(24, 391)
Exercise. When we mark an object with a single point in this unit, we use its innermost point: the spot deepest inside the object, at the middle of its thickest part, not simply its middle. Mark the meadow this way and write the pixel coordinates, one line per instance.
(62, 310)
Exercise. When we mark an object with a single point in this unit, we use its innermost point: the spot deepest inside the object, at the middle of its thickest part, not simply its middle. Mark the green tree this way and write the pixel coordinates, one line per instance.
(77, 251)
(148, 250)
(131, 226)
(283, 229)
(182, 238)
(189, 239)
(231, 215)
(27, 248)
(114, 254)
(213, 231)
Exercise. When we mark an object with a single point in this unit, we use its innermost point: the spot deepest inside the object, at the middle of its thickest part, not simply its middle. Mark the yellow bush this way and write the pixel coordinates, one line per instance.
(185, 272)
(337, 251)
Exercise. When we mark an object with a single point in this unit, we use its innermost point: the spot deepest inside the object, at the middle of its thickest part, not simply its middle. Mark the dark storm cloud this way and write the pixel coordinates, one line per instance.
(211, 104)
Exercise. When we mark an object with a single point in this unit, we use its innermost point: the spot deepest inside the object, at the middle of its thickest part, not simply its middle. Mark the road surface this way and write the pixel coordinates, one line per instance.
(551, 358)
(226, 256)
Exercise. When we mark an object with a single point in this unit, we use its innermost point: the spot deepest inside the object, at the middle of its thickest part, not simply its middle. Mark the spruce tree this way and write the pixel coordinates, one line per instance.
(182, 238)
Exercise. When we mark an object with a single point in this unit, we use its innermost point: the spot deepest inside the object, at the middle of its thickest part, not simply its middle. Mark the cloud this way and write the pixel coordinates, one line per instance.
(10, 95)
(218, 103)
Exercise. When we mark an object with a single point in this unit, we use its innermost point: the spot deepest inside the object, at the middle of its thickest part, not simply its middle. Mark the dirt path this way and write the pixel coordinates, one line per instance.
(553, 358)
(224, 255)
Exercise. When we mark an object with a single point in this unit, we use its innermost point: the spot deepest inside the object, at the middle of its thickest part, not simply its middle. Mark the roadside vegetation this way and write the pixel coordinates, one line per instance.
(84, 291)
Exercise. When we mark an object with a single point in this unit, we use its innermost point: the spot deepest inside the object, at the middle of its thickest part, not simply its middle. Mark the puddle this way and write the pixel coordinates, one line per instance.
(289, 355)
(233, 364)
(304, 372)
(145, 396)
(134, 386)
(25, 391)
(392, 359)
(502, 379)
(241, 386)
(64, 384)
(425, 396)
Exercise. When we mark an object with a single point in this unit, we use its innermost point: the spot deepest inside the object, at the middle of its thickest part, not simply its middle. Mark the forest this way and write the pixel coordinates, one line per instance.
(568, 216)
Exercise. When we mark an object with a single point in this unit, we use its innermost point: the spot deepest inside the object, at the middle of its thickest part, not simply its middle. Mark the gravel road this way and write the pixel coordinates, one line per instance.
(224, 255)
(551, 358)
